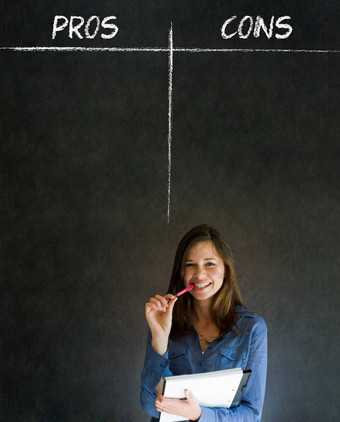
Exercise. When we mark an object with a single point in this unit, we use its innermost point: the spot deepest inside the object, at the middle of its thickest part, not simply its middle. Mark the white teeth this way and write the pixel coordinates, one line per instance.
(201, 285)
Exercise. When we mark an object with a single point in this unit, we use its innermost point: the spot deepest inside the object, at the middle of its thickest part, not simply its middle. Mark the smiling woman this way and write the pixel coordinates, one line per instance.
(208, 329)
(204, 268)
(203, 256)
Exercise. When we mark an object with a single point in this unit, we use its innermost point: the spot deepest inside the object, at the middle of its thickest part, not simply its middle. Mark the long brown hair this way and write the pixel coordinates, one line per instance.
(224, 301)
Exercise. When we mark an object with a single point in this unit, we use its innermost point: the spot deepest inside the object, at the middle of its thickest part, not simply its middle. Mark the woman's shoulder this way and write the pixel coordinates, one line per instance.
(248, 319)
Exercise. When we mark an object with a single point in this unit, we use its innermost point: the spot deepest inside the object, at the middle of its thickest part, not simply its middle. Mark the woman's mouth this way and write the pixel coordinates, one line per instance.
(201, 286)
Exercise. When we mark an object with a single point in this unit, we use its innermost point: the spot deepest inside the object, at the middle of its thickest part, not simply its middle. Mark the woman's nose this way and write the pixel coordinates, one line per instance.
(200, 273)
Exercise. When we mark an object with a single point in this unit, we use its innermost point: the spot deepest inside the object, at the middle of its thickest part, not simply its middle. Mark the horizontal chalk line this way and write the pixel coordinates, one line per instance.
(94, 49)
(250, 50)
(165, 50)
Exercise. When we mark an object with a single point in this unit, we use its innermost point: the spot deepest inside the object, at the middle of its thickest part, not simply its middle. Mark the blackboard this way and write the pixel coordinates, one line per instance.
(111, 149)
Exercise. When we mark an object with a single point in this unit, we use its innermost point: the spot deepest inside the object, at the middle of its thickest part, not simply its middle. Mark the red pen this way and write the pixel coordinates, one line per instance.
(183, 291)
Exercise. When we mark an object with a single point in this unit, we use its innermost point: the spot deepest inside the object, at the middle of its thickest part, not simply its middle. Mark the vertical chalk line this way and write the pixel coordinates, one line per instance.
(171, 68)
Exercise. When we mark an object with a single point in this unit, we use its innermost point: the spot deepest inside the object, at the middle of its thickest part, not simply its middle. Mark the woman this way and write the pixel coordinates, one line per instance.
(206, 329)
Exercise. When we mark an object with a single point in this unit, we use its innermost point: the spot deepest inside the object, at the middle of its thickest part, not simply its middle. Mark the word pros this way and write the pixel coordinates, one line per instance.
(76, 26)
(248, 25)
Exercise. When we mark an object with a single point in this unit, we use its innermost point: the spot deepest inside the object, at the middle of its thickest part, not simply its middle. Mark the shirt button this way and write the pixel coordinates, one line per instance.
(201, 363)
(232, 355)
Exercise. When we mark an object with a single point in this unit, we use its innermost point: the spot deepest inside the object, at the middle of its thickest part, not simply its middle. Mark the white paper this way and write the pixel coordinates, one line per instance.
(211, 389)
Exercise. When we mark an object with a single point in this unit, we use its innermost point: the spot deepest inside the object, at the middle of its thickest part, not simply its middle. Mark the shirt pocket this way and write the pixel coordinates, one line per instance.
(231, 358)
(178, 360)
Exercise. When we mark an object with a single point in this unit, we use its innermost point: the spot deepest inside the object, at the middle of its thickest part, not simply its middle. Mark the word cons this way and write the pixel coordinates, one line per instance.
(248, 25)
(77, 27)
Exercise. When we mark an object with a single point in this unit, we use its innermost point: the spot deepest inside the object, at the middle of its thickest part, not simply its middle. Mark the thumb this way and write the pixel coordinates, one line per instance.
(188, 394)
(172, 303)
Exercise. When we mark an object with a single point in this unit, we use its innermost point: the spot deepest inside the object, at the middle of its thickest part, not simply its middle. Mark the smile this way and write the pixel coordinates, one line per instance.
(200, 286)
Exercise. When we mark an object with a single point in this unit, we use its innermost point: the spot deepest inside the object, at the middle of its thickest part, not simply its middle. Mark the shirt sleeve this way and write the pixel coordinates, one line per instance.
(156, 366)
(250, 408)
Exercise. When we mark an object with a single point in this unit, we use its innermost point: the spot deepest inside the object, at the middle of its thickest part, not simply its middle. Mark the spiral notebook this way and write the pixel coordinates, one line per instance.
(211, 389)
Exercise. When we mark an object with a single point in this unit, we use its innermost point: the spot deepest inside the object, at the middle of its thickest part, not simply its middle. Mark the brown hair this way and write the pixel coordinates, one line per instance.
(225, 300)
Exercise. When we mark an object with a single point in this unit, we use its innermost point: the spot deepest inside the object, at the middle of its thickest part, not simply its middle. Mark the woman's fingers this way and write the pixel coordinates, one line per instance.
(154, 304)
(171, 299)
(163, 301)
(160, 303)
(187, 407)
(151, 307)
(160, 402)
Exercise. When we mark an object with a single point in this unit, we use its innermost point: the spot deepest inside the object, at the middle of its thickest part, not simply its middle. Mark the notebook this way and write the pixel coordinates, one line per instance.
(211, 389)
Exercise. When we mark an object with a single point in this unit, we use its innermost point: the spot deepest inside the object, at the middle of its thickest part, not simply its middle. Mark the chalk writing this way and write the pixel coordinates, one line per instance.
(249, 25)
(78, 28)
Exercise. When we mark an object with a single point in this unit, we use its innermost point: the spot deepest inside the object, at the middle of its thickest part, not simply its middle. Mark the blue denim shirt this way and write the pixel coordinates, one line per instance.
(247, 350)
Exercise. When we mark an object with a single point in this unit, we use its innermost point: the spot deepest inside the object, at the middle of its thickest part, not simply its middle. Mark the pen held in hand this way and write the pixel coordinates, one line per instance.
(183, 291)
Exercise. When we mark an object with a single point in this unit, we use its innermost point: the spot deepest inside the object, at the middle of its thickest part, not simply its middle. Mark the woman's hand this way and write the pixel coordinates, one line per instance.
(158, 313)
(188, 407)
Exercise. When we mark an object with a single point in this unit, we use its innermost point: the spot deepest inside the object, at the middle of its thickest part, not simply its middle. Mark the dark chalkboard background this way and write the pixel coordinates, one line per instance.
(85, 237)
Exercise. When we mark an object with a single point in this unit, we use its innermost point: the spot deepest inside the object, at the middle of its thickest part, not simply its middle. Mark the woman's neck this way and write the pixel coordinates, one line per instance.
(202, 311)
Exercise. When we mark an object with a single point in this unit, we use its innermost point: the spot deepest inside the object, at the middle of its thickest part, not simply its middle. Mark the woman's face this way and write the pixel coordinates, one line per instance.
(205, 269)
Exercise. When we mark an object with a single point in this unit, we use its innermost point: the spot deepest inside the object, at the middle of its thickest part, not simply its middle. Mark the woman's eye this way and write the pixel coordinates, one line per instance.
(210, 264)
(189, 265)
